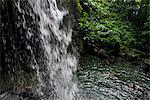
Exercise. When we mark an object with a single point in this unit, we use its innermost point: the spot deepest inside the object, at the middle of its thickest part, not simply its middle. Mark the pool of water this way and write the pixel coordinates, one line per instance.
(119, 80)
(100, 79)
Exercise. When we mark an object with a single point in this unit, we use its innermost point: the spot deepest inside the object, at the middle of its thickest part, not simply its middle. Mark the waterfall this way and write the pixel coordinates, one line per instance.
(56, 79)
(55, 70)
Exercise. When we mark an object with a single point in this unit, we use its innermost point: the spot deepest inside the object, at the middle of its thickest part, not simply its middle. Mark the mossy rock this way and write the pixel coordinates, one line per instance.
(132, 54)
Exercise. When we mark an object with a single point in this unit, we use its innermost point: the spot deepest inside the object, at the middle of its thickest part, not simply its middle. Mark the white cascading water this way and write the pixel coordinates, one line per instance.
(56, 80)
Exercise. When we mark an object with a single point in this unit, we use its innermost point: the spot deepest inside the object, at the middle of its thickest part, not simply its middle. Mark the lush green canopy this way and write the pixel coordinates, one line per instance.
(123, 22)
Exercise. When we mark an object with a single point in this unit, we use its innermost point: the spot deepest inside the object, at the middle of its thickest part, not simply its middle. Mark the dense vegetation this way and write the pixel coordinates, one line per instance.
(115, 26)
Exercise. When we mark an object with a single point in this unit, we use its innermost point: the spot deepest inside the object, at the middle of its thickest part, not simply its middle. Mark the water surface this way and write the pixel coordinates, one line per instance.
(100, 79)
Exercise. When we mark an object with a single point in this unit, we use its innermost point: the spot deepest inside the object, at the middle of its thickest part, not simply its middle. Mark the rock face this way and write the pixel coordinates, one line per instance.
(15, 53)
(71, 22)
(146, 95)
(17, 57)
(19, 48)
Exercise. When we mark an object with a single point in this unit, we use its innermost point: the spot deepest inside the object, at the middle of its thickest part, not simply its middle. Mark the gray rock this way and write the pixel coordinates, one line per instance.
(146, 95)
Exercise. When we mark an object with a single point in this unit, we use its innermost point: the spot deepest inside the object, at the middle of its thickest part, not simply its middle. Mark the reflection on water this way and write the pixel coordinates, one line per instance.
(99, 80)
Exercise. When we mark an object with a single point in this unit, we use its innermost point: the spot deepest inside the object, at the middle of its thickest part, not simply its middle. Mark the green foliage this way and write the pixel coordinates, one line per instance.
(144, 37)
(79, 8)
(101, 25)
